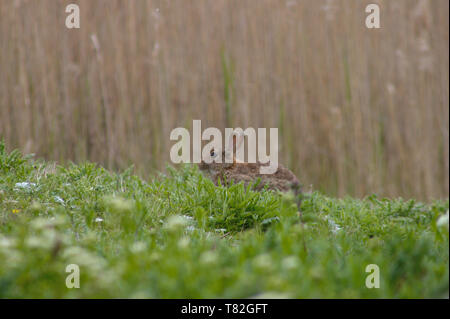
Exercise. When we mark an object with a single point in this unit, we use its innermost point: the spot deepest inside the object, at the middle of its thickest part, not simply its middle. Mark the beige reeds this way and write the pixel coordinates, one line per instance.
(360, 111)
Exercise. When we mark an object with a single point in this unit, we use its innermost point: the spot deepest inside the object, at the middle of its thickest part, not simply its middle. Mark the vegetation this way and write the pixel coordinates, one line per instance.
(179, 236)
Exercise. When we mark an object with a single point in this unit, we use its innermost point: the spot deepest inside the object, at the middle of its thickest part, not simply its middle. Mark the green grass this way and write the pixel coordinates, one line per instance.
(179, 236)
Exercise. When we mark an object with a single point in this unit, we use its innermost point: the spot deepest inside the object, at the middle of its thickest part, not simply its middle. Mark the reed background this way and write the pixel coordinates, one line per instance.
(359, 110)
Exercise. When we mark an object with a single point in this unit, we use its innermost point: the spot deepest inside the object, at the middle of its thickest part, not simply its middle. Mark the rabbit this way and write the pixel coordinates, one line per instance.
(282, 180)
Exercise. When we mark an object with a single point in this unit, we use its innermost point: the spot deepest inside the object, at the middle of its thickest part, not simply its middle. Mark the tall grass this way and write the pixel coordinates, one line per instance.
(360, 110)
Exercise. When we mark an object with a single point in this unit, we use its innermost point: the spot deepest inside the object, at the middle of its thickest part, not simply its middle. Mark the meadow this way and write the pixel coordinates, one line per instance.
(359, 111)
(177, 235)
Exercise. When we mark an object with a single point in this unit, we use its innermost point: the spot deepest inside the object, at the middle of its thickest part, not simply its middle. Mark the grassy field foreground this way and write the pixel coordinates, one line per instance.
(180, 236)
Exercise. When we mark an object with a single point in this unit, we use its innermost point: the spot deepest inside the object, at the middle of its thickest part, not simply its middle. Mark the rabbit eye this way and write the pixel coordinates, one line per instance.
(212, 153)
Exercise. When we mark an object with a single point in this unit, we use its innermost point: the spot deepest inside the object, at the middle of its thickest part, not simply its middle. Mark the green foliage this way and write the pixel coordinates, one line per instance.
(228, 86)
(179, 236)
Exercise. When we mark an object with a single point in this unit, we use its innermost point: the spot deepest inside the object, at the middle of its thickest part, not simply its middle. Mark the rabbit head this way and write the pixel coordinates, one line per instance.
(219, 159)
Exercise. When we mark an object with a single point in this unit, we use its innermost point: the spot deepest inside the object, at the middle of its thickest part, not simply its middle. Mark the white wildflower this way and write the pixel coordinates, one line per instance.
(208, 257)
(443, 221)
(290, 262)
(24, 185)
(175, 222)
(59, 200)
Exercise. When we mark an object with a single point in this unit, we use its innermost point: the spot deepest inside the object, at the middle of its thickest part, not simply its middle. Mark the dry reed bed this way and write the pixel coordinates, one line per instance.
(359, 110)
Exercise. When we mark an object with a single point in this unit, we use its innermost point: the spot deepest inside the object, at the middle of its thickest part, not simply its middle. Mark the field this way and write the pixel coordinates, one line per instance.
(179, 236)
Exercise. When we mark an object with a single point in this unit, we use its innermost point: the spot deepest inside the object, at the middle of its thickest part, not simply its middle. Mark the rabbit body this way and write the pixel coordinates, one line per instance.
(282, 180)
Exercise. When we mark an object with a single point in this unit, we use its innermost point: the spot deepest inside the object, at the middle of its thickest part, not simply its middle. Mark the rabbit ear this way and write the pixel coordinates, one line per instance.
(231, 142)
(235, 141)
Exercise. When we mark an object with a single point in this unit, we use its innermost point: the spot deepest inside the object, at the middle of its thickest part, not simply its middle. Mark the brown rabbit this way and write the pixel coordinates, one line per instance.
(282, 180)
